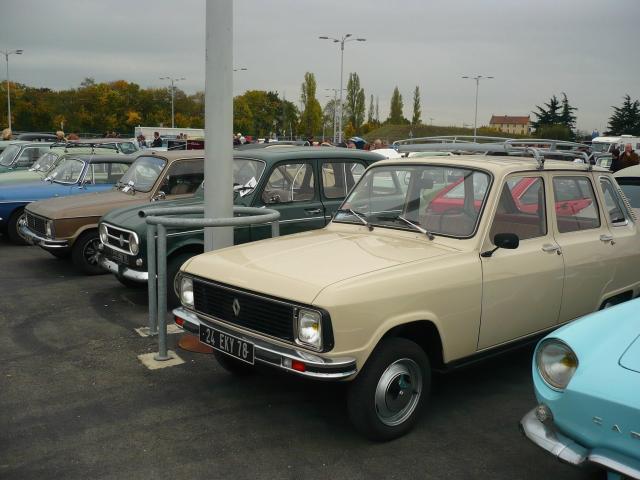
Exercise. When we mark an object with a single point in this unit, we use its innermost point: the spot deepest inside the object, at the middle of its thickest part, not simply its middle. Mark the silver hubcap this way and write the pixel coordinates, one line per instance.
(91, 251)
(398, 392)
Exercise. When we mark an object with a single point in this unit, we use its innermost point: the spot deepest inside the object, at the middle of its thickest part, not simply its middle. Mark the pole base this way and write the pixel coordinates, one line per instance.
(162, 358)
(191, 343)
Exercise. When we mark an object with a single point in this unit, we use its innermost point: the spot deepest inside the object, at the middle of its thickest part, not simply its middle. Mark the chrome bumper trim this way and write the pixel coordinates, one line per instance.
(126, 272)
(43, 242)
(271, 354)
(548, 438)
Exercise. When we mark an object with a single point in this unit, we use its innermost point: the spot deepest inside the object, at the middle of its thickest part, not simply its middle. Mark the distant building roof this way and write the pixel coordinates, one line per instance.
(507, 119)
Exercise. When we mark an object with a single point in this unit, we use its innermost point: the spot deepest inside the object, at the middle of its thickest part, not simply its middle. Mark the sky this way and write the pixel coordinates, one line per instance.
(534, 49)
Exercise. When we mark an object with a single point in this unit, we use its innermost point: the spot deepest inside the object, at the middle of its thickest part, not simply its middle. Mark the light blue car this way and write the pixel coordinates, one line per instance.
(587, 381)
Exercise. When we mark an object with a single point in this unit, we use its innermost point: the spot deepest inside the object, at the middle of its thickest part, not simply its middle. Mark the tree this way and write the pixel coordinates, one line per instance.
(567, 118)
(395, 114)
(355, 102)
(417, 112)
(625, 119)
(311, 116)
(371, 114)
(549, 115)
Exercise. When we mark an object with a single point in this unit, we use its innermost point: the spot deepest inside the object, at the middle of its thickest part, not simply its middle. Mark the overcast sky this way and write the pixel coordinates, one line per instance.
(586, 48)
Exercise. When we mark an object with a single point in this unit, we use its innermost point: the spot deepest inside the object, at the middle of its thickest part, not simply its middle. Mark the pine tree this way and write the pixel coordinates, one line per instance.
(377, 110)
(625, 119)
(395, 112)
(567, 118)
(548, 115)
(417, 111)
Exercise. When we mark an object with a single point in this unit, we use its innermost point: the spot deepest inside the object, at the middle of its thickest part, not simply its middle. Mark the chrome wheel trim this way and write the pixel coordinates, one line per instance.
(398, 392)
(90, 251)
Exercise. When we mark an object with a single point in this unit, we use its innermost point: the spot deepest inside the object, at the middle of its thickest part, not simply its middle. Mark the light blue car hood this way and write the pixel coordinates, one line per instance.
(631, 358)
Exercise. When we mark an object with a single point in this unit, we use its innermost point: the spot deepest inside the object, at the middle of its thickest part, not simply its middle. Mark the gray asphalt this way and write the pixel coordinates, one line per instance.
(75, 402)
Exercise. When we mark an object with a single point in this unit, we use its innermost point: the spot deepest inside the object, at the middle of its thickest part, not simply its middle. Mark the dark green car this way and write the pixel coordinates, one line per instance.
(305, 184)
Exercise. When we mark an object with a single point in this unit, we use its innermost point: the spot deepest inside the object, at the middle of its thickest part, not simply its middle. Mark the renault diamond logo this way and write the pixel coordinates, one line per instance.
(236, 307)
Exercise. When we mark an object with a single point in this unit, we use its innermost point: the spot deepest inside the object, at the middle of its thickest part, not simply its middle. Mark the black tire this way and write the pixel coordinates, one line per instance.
(12, 228)
(386, 397)
(233, 366)
(60, 253)
(173, 267)
(127, 282)
(84, 253)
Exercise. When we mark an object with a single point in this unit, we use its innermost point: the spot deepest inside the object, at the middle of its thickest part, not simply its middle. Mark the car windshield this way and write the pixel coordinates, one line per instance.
(443, 200)
(143, 173)
(45, 162)
(68, 171)
(598, 147)
(8, 154)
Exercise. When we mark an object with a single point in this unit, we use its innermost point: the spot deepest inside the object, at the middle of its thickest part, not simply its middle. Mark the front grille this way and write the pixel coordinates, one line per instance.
(256, 313)
(36, 224)
(118, 239)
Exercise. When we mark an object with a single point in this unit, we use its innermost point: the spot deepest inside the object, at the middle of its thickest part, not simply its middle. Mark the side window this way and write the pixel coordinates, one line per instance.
(615, 206)
(527, 220)
(576, 206)
(338, 178)
(127, 148)
(27, 157)
(631, 188)
(291, 182)
(184, 177)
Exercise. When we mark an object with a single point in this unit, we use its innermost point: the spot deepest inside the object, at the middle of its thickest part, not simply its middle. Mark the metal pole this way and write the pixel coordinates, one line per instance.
(341, 69)
(6, 57)
(335, 106)
(218, 165)
(475, 120)
(151, 280)
(275, 229)
(162, 294)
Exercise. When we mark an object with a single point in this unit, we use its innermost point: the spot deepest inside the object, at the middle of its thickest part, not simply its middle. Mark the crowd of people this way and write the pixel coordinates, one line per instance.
(624, 159)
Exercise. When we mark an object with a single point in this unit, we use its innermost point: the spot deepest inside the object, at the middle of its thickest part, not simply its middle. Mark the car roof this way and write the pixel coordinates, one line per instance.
(87, 157)
(102, 140)
(494, 164)
(633, 171)
(306, 153)
(171, 155)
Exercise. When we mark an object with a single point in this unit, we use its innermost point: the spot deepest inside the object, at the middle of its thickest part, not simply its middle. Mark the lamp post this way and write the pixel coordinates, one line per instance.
(344, 39)
(477, 78)
(335, 106)
(6, 54)
(173, 91)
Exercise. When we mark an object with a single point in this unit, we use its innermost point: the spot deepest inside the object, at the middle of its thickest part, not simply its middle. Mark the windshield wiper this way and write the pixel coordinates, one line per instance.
(417, 227)
(360, 216)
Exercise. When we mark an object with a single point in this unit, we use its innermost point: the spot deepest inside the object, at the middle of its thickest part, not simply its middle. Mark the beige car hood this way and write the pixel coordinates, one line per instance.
(298, 267)
(86, 205)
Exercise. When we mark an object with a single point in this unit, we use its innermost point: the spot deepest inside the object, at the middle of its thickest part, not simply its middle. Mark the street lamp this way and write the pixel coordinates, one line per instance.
(345, 38)
(475, 121)
(173, 91)
(6, 54)
(335, 103)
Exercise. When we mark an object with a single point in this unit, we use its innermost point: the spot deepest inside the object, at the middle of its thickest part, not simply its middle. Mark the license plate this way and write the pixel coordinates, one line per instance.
(227, 344)
(118, 257)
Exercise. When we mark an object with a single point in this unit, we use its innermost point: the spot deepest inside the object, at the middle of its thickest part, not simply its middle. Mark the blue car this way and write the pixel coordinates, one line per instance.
(73, 175)
(587, 381)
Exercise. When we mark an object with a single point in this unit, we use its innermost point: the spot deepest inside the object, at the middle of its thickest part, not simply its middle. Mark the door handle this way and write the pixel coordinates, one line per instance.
(550, 248)
(313, 211)
(607, 238)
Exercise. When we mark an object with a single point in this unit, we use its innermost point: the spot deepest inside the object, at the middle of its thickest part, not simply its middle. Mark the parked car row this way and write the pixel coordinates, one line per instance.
(388, 271)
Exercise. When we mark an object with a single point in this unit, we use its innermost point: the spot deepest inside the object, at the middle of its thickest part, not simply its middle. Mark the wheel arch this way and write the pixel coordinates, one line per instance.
(423, 332)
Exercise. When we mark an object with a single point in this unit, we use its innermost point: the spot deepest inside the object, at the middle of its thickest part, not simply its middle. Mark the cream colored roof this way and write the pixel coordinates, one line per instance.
(495, 164)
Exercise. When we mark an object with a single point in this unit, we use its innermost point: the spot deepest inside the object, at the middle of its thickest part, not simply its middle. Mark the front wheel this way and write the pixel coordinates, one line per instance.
(13, 227)
(85, 253)
(385, 399)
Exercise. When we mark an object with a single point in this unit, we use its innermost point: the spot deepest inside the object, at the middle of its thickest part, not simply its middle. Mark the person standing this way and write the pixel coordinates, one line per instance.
(7, 134)
(628, 158)
(157, 141)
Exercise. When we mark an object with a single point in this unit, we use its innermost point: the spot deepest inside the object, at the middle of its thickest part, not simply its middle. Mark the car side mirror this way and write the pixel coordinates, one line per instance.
(508, 241)
(159, 196)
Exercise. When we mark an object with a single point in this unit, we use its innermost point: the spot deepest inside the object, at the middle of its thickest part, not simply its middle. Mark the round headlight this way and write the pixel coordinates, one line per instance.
(102, 230)
(134, 246)
(556, 363)
(186, 291)
(309, 328)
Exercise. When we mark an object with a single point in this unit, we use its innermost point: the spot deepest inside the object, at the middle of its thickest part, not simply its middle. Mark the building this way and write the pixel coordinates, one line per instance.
(510, 124)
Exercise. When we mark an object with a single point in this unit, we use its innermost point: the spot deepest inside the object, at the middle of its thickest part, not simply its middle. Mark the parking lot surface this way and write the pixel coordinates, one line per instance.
(75, 402)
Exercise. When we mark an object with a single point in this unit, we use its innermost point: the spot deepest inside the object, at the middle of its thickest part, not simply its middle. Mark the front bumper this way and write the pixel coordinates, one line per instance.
(32, 237)
(545, 435)
(123, 270)
(275, 355)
